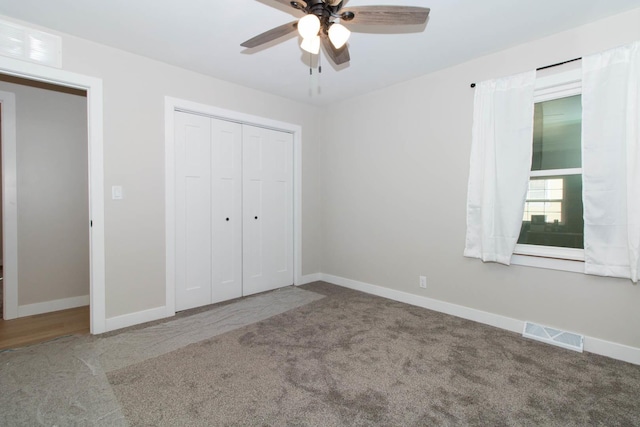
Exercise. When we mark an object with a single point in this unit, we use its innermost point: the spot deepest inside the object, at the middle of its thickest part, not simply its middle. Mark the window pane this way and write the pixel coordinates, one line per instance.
(557, 134)
(545, 189)
(550, 211)
(555, 220)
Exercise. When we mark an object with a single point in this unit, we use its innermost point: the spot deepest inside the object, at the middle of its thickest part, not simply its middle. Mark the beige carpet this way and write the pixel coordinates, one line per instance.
(64, 382)
(352, 359)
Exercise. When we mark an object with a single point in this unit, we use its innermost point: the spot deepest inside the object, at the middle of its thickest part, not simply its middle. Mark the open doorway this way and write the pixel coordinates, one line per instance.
(93, 88)
(51, 175)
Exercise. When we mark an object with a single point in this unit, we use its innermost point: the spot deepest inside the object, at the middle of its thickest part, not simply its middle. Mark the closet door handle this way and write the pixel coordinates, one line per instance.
(227, 219)
(256, 217)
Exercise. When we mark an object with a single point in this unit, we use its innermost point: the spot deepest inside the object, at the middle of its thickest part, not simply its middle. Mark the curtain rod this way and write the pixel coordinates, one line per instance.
(549, 66)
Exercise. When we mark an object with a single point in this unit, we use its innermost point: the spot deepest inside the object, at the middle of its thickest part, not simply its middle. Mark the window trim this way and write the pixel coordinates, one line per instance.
(561, 85)
(555, 172)
(547, 88)
(548, 263)
(555, 252)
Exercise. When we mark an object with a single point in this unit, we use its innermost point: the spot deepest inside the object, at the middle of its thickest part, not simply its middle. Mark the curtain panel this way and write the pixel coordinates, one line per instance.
(501, 150)
(611, 161)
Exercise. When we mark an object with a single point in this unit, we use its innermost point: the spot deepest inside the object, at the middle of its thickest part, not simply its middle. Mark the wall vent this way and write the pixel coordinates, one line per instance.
(27, 44)
(564, 339)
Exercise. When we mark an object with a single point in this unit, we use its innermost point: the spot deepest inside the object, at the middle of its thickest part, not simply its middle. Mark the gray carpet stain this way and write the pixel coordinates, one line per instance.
(352, 359)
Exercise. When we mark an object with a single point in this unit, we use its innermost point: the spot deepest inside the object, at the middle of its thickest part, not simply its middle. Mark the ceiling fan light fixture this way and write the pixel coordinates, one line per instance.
(322, 24)
(338, 34)
(311, 44)
(308, 26)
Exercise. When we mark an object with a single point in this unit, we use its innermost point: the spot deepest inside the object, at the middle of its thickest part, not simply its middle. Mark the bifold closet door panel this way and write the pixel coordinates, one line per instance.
(267, 209)
(226, 212)
(193, 210)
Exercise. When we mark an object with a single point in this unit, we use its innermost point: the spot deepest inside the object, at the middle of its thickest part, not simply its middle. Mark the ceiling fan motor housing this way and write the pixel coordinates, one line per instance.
(323, 10)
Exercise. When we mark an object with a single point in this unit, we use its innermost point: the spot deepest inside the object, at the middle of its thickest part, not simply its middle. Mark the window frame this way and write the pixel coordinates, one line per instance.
(559, 85)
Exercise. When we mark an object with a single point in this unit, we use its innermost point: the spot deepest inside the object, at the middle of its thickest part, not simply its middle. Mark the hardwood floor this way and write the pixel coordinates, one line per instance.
(43, 327)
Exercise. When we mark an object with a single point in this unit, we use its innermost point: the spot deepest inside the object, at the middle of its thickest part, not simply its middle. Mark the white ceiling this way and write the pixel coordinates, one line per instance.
(205, 36)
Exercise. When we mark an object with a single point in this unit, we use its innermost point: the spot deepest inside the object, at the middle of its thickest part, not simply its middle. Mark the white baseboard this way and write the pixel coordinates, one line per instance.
(592, 345)
(55, 305)
(157, 313)
(612, 350)
(430, 303)
(310, 278)
(136, 318)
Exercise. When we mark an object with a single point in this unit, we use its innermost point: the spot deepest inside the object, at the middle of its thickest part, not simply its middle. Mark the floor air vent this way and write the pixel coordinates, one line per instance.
(563, 339)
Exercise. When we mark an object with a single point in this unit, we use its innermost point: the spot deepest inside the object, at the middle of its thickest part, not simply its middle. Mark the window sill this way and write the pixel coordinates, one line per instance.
(573, 266)
(550, 257)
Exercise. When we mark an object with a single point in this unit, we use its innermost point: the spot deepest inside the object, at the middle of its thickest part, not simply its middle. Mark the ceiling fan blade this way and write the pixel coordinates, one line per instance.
(386, 15)
(338, 56)
(272, 34)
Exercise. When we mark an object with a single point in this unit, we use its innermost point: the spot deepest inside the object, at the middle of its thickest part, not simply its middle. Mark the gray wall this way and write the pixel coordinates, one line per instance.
(395, 186)
(134, 91)
(53, 207)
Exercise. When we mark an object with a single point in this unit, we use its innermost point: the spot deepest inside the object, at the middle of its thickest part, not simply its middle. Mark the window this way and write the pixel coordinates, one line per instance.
(553, 224)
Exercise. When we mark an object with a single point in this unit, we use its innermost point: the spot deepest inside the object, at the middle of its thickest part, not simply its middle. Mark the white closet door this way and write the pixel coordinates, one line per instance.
(267, 209)
(226, 212)
(193, 210)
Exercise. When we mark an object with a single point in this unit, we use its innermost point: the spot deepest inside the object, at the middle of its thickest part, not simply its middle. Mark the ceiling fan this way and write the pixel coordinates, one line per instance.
(318, 25)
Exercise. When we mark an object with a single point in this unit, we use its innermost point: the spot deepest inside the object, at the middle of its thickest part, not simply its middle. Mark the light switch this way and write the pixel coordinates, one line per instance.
(116, 192)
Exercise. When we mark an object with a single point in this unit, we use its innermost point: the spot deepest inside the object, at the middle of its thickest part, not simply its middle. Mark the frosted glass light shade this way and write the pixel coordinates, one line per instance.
(338, 34)
(308, 26)
(311, 44)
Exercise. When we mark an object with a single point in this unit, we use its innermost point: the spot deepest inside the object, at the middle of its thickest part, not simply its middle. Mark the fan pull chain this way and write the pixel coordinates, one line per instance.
(314, 81)
(310, 76)
(319, 74)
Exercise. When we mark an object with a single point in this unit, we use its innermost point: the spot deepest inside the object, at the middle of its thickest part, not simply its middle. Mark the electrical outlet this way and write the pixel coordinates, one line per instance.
(423, 282)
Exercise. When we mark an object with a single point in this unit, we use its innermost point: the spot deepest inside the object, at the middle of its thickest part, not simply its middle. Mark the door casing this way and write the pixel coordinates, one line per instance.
(9, 207)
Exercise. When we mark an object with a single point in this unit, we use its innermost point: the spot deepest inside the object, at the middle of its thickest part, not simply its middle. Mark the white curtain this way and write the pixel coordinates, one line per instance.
(501, 150)
(611, 161)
